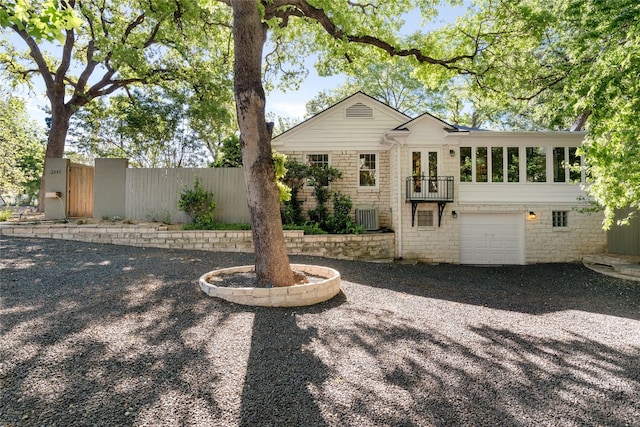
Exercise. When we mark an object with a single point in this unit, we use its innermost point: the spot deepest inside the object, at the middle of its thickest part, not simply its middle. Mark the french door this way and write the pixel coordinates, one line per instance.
(424, 171)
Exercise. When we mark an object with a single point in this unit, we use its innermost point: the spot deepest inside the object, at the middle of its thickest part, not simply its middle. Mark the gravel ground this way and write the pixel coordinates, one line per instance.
(108, 335)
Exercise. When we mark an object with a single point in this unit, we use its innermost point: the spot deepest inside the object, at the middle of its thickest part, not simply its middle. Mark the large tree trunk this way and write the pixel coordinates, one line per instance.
(272, 262)
(60, 116)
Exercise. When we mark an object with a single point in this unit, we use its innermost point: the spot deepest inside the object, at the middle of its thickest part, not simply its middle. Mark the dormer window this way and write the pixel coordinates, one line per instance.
(359, 111)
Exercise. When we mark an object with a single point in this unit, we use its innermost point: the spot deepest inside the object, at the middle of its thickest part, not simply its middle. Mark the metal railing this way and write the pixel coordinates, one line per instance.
(429, 188)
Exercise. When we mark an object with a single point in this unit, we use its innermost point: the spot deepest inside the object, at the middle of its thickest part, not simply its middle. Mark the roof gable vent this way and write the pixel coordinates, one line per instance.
(359, 111)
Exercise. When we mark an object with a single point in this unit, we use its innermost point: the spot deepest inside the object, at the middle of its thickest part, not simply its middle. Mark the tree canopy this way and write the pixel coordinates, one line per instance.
(118, 45)
(573, 65)
(21, 145)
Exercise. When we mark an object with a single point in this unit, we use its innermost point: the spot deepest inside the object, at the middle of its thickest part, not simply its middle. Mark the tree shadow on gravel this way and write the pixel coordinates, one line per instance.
(282, 368)
(102, 335)
(387, 372)
(98, 335)
(531, 289)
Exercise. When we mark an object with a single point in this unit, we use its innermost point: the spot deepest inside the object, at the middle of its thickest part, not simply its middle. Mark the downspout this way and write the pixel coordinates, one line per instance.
(399, 232)
(399, 207)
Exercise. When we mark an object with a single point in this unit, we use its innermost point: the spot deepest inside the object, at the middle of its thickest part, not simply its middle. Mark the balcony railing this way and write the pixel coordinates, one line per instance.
(429, 189)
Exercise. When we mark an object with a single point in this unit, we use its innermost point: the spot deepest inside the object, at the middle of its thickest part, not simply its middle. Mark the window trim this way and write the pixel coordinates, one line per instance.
(316, 153)
(377, 171)
(562, 217)
(523, 161)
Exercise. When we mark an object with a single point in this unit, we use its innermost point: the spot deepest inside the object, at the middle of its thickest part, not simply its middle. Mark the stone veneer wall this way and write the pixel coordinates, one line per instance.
(366, 247)
(347, 163)
(543, 242)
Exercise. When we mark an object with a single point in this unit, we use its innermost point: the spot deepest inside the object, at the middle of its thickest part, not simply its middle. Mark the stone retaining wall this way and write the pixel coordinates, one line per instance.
(365, 247)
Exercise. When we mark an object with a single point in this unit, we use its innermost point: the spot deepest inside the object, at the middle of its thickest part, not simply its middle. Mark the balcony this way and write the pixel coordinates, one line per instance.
(429, 189)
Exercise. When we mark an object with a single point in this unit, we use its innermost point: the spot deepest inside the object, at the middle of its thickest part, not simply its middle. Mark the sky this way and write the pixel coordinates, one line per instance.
(290, 104)
(293, 104)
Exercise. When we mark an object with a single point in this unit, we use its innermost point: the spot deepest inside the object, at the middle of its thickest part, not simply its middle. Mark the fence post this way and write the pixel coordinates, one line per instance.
(55, 188)
(109, 187)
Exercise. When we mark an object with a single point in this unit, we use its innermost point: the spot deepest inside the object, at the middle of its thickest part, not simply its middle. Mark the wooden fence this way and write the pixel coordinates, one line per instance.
(624, 239)
(154, 193)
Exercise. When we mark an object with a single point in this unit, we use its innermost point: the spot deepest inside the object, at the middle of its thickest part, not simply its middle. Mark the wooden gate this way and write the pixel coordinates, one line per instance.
(80, 197)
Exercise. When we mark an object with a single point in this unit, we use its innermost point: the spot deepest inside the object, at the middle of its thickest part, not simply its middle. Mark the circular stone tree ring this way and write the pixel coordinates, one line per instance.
(325, 284)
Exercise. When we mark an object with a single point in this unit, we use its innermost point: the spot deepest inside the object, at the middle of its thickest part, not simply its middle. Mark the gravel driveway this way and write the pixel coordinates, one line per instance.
(108, 335)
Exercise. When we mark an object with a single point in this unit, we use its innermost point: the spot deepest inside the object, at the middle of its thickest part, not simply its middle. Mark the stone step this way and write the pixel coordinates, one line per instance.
(604, 259)
(629, 270)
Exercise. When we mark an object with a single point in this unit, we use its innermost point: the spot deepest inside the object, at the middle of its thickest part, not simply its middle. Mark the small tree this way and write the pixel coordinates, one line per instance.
(297, 174)
(199, 205)
(320, 177)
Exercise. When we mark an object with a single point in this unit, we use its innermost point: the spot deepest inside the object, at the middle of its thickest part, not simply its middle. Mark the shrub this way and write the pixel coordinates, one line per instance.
(340, 222)
(199, 205)
(5, 214)
(307, 228)
(163, 216)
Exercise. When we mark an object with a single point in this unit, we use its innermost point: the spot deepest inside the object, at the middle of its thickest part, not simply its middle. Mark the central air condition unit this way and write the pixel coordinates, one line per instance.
(368, 218)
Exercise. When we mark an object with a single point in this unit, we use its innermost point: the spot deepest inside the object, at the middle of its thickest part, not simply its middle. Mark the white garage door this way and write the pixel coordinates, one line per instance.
(491, 238)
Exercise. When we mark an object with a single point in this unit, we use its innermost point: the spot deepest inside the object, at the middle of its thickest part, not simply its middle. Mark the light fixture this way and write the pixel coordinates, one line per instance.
(454, 214)
(532, 215)
(452, 153)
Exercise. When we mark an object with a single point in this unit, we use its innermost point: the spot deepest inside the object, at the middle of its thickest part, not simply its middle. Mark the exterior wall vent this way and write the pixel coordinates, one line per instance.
(359, 111)
(368, 218)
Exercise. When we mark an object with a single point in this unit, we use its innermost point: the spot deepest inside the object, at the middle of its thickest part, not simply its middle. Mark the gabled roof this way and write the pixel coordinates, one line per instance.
(337, 105)
(448, 127)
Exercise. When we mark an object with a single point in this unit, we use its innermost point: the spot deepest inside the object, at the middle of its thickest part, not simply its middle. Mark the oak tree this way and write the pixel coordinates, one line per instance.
(341, 31)
(108, 46)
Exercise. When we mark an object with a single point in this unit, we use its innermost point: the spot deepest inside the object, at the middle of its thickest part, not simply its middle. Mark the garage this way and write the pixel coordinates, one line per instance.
(491, 238)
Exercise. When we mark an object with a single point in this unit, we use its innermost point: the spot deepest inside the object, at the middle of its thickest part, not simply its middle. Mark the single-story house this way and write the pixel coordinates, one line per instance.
(449, 193)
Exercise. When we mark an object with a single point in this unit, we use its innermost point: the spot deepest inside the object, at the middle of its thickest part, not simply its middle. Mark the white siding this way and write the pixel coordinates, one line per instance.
(557, 193)
(331, 130)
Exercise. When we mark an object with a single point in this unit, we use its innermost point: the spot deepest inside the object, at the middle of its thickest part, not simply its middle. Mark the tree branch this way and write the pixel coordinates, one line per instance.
(302, 9)
(38, 58)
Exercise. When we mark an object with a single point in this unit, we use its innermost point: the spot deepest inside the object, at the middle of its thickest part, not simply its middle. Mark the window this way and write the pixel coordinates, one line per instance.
(566, 165)
(497, 164)
(318, 160)
(536, 164)
(513, 164)
(481, 164)
(321, 160)
(425, 218)
(560, 218)
(368, 170)
(559, 174)
(465, 165)
(575, 174)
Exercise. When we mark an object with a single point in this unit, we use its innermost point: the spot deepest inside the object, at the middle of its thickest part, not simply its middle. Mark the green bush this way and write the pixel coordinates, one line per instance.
(340, 222)
(199, 205)
(307, 228)
(5, 214)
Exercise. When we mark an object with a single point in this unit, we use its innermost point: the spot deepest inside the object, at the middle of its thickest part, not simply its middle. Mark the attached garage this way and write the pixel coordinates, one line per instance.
(492, 238)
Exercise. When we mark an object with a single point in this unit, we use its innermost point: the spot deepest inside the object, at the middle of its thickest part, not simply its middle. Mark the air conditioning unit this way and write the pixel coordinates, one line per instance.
(368, 218)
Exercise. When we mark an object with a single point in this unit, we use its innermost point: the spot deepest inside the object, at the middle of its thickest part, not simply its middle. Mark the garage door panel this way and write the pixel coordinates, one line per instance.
(491, 238)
